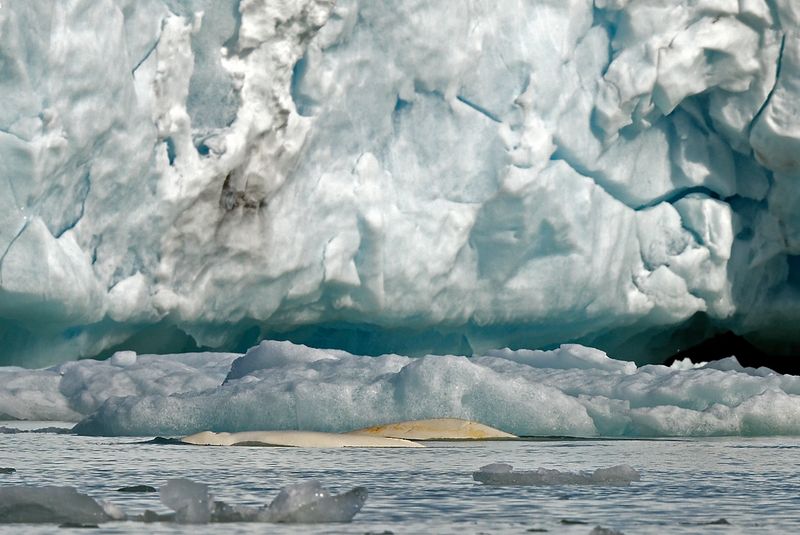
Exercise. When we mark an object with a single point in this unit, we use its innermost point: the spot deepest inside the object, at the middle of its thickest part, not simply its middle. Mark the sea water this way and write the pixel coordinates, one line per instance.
(716, 485)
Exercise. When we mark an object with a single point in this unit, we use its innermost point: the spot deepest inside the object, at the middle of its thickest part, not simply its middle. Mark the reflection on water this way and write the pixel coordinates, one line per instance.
(686, 484)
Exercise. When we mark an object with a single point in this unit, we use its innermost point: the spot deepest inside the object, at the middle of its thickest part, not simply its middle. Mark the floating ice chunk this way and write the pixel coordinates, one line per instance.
(435, 429)
(309, 502)
(39, 505)
(301, 439)
(503, 474)
(123, 359)
(190, 501)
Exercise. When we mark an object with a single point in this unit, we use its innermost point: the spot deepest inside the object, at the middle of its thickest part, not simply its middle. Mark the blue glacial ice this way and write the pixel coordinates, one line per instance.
(281, 386)
(386, 176)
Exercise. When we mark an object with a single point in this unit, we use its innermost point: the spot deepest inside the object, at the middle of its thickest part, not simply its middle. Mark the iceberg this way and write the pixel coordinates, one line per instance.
(388, 177)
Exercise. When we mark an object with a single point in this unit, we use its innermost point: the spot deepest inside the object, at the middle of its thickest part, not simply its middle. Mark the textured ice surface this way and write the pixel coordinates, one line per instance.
(43, 505)
(396, 176)
(309, 502)
(70, 390)
(501, 474)
(306, 502)
(333, 391)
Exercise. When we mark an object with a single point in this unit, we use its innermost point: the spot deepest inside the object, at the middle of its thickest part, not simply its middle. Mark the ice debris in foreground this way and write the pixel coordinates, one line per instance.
(501, 474)
(49, 505)
(305, 502)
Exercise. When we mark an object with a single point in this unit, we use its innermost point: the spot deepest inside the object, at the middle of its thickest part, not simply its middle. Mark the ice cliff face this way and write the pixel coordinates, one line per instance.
(409, 176)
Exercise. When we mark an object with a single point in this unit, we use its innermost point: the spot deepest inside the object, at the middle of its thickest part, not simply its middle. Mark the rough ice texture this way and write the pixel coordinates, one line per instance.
(339, 392)
(68, 391)
(500, 474)
(306, 502)
(45, 505)
(396, 176)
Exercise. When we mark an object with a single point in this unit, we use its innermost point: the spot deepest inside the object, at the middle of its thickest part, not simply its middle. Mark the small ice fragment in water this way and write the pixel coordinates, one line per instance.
(504, 474)
(7, 470)
(138, 488)
(189, 500)
(52, 505)
(600, 530)
(309, 502)
(112, 510)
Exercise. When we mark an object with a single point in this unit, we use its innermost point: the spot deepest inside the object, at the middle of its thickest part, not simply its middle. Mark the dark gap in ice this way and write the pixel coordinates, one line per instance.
(727, 344)
(157, 339)
(767, 100)
(170, 150)
(367, 339)
(674, 196)
(480, 109)
(82, 193)
(793, 280)
(305, 105)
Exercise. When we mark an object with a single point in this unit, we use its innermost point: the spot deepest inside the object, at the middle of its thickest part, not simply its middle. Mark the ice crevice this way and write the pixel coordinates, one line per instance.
(764, 106)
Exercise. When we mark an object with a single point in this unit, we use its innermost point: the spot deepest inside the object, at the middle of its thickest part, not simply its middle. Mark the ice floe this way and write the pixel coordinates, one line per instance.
(501, 474)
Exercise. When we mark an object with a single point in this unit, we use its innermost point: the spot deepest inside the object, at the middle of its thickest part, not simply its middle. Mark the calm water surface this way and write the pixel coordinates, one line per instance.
(686, 484)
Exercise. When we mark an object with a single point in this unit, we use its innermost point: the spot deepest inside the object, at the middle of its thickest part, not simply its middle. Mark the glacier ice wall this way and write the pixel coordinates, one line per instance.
(401, 176)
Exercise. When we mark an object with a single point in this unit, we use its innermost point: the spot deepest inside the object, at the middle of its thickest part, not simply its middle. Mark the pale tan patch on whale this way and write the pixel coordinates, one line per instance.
(436, 429)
